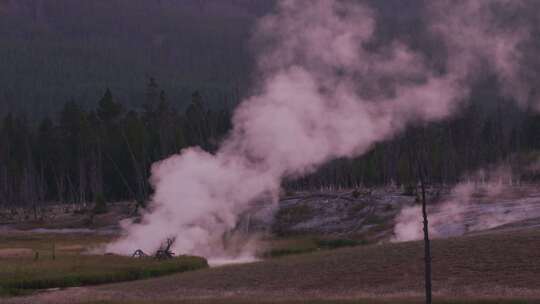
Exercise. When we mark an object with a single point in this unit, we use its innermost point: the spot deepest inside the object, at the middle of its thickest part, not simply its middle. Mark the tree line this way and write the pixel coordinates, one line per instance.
(81, 155)
(106, 153)
(487, 130)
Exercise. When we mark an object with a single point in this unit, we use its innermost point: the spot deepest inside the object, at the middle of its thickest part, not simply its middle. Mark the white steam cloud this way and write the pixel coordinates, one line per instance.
(487, 199)
(323, 94)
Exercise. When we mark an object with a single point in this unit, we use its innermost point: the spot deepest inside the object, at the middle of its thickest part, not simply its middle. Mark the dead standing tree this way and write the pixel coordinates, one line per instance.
(427, 243)
(165, 252)
(418, 158)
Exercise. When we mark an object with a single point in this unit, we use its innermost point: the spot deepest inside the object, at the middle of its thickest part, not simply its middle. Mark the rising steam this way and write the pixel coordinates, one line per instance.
(484, 200)
(325, 92)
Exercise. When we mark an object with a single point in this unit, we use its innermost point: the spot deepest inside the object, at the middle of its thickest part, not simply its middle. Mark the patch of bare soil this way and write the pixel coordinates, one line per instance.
(65, 216)
(15, 252)
(71, 248)
(498, 265)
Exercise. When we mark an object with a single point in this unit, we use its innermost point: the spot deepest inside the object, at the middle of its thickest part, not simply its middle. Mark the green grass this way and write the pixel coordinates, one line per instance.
(77, 270)
(300, 245)
(338, 243)
(275, 248)
(71, 267)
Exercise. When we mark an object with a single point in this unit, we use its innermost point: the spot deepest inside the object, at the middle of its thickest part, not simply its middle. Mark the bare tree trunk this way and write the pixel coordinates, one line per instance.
(139, 169)
(60, 185)
(29, 178)
(82, 180)
(427, 243)
(72, 192)
(96, 174)
(420, 162)
(41, 186)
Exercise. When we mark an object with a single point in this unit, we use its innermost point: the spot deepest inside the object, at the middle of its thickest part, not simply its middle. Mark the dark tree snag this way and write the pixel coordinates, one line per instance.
(164, 252)
(418, 159)
(427, 243)
(420, 162)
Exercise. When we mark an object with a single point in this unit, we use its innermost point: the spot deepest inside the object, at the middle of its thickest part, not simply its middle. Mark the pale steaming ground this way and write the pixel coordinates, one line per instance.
(469, 208)
(215, 262)
(322, 94)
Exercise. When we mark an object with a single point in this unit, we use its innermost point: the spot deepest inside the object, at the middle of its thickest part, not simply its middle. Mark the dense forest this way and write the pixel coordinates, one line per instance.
(83, 155)
(80, 155)
(82, 117)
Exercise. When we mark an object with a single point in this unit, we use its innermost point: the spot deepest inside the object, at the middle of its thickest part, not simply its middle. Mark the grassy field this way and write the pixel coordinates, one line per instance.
(275, 248)
(502, 267)
(365, 301)
(48, 261)
(495, 266)
(44, 243)
(37, 261)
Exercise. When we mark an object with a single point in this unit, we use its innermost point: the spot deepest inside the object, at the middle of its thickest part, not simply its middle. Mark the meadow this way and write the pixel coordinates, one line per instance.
(41, 261)
(366, 301)
(495, 267)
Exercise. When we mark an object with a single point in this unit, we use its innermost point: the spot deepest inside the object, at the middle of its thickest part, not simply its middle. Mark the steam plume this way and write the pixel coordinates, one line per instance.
(323, 93)
(487, 199)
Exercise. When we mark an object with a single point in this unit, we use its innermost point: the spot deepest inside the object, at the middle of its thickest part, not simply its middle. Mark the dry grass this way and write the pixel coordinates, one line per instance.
(496, 268)
(44, 243)
(490, 265)
(314, 301)
(15, 252)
